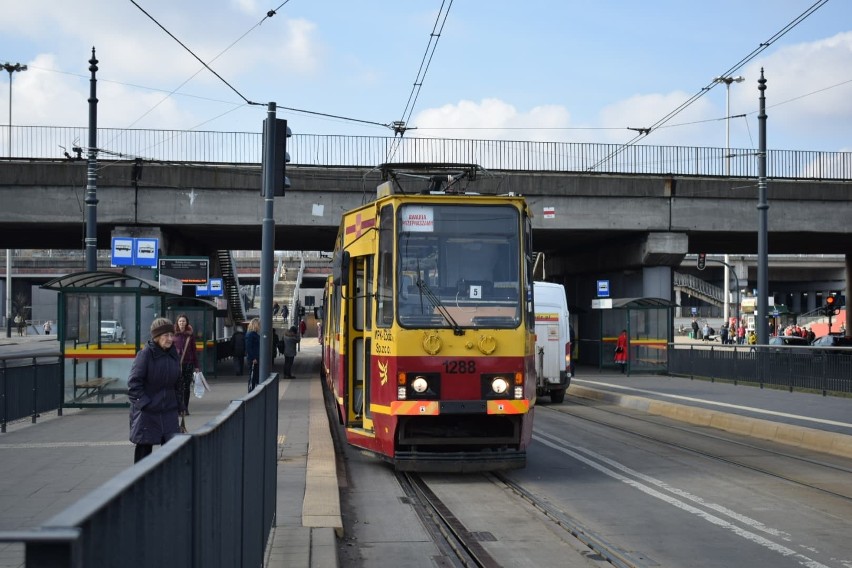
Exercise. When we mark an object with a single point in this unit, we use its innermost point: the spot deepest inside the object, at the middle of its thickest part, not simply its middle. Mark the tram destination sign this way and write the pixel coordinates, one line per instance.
(187, 269)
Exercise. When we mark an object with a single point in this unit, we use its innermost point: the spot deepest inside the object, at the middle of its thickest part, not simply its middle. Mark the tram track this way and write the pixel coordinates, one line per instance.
(447, 531)
(692, 431)
(462, 547)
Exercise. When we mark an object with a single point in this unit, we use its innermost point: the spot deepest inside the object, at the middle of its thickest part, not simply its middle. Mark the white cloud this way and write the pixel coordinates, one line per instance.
(491, 119)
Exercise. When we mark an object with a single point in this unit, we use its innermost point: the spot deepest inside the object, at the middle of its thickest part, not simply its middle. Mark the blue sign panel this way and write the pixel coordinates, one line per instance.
(215, 287)
(147, 252)
(122, 251)
(603, 288)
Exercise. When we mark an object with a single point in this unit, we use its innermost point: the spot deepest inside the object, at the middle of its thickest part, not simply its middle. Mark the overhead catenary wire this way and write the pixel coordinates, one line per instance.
(171, 35)
(646, 131)
(434, 36)
(268, 15)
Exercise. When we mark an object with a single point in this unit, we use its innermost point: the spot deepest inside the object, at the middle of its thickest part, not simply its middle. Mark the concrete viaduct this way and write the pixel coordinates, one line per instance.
(632, 229)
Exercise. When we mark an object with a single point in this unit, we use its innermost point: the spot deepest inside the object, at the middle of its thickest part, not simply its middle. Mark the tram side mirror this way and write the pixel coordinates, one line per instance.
(340, 267)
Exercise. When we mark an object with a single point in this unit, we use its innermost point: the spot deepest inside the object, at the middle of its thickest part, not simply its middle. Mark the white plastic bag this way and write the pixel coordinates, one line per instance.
(199, 384)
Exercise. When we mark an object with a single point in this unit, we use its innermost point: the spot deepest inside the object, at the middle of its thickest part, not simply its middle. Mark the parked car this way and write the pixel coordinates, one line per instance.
(834, 341)
(789, 340)
(112, 331)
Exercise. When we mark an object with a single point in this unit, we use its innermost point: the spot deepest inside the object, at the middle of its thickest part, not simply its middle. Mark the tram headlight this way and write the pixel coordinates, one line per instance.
(401, 393)
(420, 385)
(499, 385)
(519, 393)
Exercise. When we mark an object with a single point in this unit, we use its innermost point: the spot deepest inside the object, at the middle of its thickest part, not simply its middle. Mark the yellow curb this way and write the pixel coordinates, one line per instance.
(833, 443)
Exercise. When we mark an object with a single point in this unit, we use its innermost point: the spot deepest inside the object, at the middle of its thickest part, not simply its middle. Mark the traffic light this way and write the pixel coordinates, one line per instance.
(830, 308)
(702, 260)
(280, 180)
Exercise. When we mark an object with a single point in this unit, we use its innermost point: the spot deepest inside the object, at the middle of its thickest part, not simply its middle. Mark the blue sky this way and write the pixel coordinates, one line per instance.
(557, 70)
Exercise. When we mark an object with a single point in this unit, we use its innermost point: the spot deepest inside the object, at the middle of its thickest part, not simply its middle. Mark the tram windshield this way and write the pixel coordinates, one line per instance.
(458, 266)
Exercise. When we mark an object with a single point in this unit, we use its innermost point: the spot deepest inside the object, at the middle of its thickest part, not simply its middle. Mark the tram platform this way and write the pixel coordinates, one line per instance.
(807, 420)
(47, 466)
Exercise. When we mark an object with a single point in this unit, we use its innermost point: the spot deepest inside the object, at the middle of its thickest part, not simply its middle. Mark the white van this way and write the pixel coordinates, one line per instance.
(552, 341)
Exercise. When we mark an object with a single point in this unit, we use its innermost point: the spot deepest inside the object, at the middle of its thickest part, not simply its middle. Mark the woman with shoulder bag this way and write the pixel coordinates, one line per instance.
(185, 345)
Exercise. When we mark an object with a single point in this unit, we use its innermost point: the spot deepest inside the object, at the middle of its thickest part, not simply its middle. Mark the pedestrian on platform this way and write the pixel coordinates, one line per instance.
(303, 327)
(238, 350)
(185, 345)
(46, 328)
(276, 346)
(289, 343)
(20, 323)
(154, 390)
(621, 350)
(253, 352)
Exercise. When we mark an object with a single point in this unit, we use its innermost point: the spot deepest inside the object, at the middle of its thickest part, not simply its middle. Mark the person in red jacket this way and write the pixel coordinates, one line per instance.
(621, 350)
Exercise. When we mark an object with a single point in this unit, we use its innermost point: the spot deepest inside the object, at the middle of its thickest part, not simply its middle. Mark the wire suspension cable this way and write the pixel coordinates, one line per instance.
(171, 35)
(704, 90)
(434, 36)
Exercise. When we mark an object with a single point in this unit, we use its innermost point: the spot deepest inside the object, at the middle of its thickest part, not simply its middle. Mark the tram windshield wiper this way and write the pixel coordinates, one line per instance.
(425, 290)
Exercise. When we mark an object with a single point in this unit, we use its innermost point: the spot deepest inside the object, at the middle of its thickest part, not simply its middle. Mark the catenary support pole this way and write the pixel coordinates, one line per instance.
(92, 171)
(17, 67)
(761, 321)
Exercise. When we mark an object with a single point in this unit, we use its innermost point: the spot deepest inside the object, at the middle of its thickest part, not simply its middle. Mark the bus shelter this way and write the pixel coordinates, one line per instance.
(648, 322)
(103, 320)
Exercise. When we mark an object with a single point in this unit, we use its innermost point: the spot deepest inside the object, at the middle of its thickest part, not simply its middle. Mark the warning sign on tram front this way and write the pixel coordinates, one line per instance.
(417, 219)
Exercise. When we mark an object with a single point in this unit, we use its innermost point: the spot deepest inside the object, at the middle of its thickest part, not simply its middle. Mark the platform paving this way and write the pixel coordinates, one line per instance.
(47, 466)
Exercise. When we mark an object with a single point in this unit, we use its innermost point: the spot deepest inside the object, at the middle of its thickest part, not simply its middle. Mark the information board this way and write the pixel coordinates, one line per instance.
(187, 269)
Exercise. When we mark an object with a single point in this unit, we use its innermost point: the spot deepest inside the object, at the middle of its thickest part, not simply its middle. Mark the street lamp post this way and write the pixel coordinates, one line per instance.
(11, 69)
(728, 81)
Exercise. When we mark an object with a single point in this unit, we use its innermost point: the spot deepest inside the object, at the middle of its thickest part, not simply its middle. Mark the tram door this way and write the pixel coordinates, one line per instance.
(360, 338)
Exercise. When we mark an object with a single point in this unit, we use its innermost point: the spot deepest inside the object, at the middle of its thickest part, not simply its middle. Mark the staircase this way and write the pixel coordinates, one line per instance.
(700, 289)
(231, 285)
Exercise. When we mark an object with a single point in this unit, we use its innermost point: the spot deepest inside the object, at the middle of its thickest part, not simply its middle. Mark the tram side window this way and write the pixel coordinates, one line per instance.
(384, 303)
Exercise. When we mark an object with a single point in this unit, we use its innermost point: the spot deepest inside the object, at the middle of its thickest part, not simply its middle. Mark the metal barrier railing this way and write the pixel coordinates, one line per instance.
(823, 369)
(205, 499)
(29, 385)
(369, 151)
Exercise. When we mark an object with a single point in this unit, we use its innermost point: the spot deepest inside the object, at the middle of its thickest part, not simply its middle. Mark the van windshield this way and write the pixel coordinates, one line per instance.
(467, 257)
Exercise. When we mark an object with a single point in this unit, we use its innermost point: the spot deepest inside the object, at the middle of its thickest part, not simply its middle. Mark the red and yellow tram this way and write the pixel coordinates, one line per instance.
(428, 330)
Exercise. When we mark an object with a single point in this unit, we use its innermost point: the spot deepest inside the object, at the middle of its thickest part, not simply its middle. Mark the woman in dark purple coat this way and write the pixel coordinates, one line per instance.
(188, 355)
(154, 391)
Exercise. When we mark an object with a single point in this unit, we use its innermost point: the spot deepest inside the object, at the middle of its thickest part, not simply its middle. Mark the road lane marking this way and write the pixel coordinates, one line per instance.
(609, 467)
(722, 404)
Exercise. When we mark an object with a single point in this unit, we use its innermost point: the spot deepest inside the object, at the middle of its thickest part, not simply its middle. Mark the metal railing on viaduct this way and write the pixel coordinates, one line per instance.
(48, 142)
